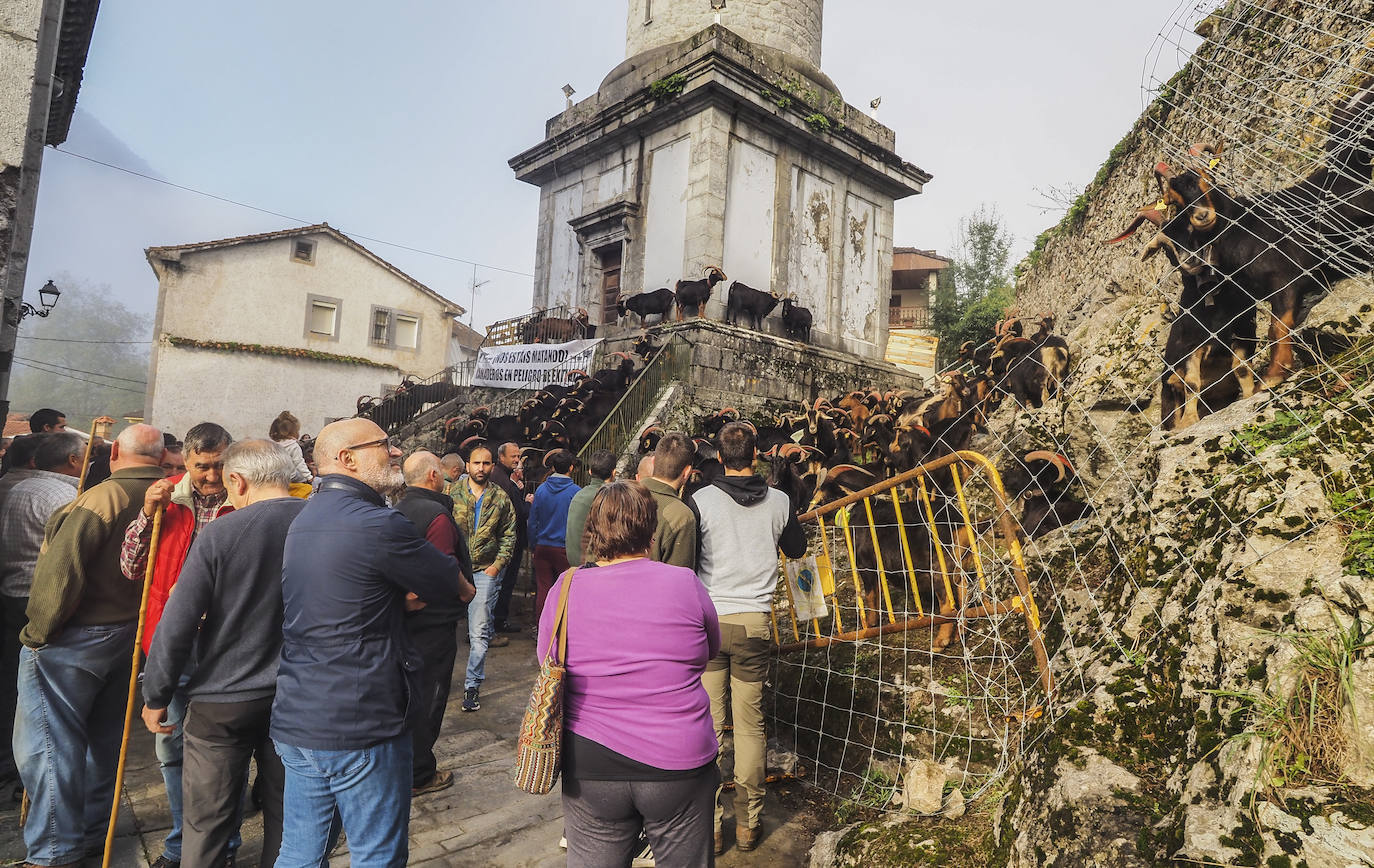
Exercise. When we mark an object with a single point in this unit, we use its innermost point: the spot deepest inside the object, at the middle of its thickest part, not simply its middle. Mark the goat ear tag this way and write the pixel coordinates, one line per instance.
(797, 436)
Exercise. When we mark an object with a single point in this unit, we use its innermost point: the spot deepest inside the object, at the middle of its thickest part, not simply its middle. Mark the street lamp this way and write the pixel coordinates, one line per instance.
(718, 6)
(47, 297)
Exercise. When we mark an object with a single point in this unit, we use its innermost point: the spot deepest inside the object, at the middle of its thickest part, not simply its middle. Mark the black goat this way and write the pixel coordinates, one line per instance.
(645, 348)
(796, 320)
(755, 304)
(1285, 247)
(695, 293)
(919, 543)
(1042, 478)
(646, 304)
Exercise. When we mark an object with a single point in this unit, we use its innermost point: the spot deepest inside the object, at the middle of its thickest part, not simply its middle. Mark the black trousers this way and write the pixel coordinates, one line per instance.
(437, 645)
(220, 739)
(501, 614)
(14, 621)
(602, 820)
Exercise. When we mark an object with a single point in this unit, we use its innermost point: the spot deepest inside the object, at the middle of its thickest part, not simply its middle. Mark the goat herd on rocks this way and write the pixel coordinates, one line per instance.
(1284, 248)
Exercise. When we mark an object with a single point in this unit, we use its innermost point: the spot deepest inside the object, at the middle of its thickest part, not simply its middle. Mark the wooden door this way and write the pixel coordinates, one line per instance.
(610, 285)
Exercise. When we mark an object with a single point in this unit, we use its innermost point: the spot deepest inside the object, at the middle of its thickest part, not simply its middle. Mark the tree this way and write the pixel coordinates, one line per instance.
(973, 293)
(88, 358)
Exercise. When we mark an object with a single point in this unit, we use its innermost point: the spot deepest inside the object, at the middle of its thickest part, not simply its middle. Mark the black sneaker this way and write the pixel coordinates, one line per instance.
(508, 627)
(470, 701)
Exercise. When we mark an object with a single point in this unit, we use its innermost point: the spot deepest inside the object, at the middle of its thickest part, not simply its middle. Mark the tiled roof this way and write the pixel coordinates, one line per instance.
(177, 250)
(16, 424)
(468, 338)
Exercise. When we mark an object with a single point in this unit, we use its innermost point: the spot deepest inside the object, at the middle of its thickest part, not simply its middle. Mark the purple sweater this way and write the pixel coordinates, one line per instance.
(639, 636)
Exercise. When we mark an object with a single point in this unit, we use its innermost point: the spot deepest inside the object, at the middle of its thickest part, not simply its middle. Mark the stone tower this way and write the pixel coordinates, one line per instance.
(721, 144)
(790, 26)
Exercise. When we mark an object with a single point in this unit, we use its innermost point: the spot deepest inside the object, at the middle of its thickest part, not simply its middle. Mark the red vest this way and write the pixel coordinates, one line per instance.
(178, 528)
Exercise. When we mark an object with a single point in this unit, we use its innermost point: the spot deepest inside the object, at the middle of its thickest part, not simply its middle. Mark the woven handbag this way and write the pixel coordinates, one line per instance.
(538, 750)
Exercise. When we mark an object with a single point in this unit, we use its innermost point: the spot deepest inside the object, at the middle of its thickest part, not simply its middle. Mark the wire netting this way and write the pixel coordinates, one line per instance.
(1214, 420)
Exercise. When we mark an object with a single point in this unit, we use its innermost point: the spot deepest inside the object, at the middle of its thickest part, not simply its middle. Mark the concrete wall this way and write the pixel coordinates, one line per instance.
(256, 293)
(750, 214)
(792, 26)
(565, 256)
(665, 219)
(244, 392)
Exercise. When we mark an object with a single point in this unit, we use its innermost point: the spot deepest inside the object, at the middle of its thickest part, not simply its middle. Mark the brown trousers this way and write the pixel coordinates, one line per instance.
(739, 670)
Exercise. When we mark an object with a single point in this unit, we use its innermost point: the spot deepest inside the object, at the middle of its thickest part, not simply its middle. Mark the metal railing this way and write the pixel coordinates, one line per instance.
(908, 317)
(967, 583)
(403, 403)
(536, 328)
(672, 362)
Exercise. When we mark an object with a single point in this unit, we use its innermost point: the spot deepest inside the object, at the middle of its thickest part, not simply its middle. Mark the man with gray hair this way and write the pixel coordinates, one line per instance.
(24, 512)
(74, 667)
(228, 606)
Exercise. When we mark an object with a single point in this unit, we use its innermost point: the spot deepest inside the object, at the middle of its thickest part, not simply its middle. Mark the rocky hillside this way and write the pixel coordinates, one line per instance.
(1212, 628)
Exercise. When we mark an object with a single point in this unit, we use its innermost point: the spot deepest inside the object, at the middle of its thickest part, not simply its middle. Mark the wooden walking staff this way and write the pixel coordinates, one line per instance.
(99, 428)
(133, 684)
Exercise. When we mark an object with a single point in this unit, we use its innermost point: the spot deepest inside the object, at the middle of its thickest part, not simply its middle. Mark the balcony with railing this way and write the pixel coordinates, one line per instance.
(915, 317)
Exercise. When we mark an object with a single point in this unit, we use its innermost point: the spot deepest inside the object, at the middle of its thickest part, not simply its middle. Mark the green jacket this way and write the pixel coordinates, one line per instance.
(77, 579)
(675, 540)
(577, 519)
(493, 540)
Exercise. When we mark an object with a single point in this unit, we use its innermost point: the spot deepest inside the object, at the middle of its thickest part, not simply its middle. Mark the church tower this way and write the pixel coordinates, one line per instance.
(721, 144)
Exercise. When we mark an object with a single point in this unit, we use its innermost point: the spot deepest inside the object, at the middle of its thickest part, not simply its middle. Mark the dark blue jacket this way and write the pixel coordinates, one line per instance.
(348, 671)
(549, 512)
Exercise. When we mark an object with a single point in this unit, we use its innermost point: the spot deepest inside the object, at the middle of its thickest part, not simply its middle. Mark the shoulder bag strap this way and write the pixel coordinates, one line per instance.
(560, 624)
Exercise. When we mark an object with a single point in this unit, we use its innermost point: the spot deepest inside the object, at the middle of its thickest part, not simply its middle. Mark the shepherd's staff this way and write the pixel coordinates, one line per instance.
(100, 427)
(133, 684)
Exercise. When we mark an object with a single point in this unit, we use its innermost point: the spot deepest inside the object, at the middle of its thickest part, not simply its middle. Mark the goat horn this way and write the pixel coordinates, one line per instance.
(1046, 455)
(1150, 214)
(623, 355)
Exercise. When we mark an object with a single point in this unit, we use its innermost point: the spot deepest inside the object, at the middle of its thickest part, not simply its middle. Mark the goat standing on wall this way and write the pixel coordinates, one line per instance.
(695, 293)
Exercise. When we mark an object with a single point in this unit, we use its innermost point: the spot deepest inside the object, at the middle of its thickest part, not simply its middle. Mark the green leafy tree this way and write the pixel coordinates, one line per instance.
(973, 292)
(88, 358)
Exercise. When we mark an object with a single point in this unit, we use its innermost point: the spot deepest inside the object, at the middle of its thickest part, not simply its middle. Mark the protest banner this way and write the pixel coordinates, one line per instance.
(532, 366)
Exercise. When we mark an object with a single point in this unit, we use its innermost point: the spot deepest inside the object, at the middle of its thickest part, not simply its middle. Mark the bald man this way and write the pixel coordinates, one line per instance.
(433, 629)
(349, 674)
(74, 666)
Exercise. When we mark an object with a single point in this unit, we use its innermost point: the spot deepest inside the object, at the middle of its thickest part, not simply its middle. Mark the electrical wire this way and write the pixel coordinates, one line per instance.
(229, 201)
(80, 371)
(78, 379)
(79, 340)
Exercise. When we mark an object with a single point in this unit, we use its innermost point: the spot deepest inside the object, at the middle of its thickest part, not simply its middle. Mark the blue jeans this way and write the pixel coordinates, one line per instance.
(72, 698)
(480, 612)
(170, 748)
(370, 789)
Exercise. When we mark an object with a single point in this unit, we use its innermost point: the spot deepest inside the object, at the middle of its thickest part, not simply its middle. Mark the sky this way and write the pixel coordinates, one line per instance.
(394, 122)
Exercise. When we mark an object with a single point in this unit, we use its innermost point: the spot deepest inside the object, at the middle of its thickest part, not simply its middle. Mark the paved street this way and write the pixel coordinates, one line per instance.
(483, 820)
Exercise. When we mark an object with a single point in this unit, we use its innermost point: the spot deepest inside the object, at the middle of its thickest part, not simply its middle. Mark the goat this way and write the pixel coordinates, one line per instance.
(1208, 350)
(1285, 247)
(919, 543)
(796, 321)
(647, 304)
(1023, 368)
(558, 330)
(1041, 478)
(645, 348)
(695, 293)
(754, 304)
(648, 439)
(616, 378)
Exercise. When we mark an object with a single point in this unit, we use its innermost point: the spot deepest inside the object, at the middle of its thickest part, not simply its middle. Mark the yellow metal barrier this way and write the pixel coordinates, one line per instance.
(953, 571)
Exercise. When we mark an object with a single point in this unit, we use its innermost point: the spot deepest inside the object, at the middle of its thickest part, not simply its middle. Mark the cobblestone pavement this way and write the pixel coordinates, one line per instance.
(483, 820)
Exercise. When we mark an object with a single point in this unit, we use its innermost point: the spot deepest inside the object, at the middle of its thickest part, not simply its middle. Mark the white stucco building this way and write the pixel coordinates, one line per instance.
(721, 144)
(305, 320)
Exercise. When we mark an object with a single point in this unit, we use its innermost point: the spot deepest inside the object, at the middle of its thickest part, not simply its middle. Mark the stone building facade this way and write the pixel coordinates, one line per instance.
(43, 46)
(721, 145)
(340, 323)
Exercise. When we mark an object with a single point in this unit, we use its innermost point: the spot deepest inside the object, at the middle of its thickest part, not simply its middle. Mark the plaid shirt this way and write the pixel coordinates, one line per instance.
(24, 512)
(133, 555)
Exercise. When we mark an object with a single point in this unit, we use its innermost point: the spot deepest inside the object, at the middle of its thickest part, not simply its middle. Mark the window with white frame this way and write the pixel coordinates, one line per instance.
(396, 329)
(322, 317)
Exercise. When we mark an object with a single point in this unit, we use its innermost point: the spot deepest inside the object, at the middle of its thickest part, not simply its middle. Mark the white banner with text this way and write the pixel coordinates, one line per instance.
(532, 366)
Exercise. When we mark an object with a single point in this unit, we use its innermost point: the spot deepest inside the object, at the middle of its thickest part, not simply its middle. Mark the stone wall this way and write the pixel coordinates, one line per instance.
(792, 26)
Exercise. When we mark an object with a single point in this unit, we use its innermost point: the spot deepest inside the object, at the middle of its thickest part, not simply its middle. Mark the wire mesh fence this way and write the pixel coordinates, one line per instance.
(1195, 463)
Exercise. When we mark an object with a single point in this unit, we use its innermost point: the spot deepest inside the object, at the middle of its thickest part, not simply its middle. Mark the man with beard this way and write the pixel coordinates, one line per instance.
(348, 670)
(487, 516)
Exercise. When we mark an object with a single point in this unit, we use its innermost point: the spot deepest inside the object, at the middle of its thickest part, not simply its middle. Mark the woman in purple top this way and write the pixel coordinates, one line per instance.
(639, 747)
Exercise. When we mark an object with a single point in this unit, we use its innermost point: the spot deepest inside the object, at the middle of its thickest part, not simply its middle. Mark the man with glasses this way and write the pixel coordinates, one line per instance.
(487, 516)
(348, 670)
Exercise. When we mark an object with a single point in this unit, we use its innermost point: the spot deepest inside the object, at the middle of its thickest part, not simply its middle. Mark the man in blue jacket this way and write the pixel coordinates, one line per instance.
(549, 524)
(348, 671)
